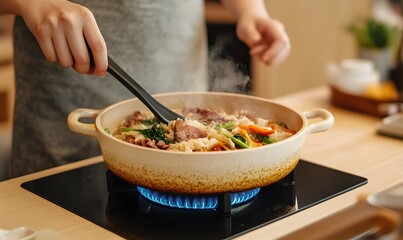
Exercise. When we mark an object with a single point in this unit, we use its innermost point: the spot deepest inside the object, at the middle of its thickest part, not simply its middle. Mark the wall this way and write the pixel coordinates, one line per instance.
(317, 30)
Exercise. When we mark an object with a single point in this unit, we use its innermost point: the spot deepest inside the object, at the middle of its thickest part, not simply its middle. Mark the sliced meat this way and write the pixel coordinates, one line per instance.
(207, 114)
(204, 114)
(184, 132)
(135, 119)
(146, 142)
(162, 145)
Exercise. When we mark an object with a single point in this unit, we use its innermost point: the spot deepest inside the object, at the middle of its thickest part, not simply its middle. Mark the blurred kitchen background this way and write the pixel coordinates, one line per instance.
(320, 33)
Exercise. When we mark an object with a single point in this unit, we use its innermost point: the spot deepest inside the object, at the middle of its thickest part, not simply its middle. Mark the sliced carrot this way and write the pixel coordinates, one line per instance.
(245, 135)
(258, 130)
(222, 145)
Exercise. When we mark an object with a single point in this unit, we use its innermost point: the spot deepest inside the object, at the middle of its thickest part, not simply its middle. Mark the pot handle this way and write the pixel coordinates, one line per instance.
(73, 121)
(320, 126)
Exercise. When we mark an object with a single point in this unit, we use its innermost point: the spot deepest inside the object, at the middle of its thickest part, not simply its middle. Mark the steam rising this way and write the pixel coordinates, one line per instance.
(224, 74)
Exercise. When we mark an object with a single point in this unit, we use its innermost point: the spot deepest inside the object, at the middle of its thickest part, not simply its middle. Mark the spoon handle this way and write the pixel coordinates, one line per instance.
(163, 113)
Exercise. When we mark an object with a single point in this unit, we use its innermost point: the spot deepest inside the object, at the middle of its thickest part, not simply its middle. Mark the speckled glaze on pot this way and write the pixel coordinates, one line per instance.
(201, 172)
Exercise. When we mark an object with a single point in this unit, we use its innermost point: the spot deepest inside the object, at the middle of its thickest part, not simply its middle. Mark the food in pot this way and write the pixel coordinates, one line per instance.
(202, 130)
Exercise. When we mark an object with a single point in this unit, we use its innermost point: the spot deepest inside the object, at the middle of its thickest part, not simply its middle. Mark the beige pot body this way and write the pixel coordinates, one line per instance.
(201, 172)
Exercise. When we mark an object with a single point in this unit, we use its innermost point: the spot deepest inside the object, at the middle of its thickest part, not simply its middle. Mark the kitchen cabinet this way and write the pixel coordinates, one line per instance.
(317, 31)
(351, 145)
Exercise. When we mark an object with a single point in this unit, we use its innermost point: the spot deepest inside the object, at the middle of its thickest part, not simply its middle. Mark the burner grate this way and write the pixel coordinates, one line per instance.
(194, 201)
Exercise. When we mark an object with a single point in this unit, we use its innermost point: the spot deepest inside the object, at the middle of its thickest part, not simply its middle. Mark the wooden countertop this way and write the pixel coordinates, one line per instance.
(352, 145)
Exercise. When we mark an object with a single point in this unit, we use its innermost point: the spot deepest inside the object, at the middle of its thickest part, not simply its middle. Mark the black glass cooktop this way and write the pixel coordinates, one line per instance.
(124, 211)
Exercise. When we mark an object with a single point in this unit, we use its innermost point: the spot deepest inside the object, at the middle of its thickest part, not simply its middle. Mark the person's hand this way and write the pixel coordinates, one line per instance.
(62, 29)
(265, 37)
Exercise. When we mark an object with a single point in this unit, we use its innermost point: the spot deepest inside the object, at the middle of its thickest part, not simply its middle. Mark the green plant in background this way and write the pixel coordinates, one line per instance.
(375, 34)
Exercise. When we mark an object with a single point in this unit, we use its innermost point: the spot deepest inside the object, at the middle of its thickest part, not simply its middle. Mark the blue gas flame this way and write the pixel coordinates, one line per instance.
(194, 201)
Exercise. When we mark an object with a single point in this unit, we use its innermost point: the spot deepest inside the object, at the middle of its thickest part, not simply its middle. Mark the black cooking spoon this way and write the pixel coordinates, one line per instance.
(161, 112)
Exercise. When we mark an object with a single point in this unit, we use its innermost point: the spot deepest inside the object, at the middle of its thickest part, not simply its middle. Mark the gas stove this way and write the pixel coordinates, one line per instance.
(133, 212)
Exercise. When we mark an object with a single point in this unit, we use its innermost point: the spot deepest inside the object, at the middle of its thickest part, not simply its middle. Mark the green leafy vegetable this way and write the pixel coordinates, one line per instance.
(228, 126)
(148, 122)
(128, 129)
(237, 141)
(155, 133)
(238, 136)
(107, 130)
(265, 139)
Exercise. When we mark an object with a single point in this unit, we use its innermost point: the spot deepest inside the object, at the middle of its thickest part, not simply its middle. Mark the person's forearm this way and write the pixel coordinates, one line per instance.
(10, 7)
(245, 7)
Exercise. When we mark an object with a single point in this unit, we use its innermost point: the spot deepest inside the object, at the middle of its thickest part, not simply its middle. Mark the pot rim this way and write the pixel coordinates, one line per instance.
(102, 131)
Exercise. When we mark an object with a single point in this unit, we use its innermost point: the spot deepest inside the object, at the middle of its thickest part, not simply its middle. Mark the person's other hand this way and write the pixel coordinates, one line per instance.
(62, 29)
(266, 39)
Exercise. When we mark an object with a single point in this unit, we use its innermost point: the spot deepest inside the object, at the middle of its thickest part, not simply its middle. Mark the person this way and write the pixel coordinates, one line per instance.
(161, 44)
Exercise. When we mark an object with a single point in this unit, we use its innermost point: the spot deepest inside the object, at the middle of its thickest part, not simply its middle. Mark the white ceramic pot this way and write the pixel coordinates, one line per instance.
(201, 172)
